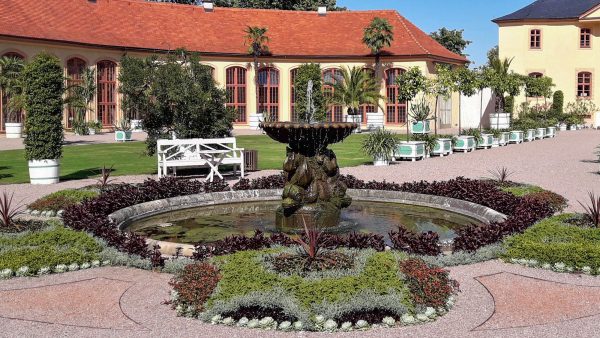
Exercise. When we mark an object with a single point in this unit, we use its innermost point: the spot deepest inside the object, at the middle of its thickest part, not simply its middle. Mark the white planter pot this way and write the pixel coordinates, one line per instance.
(374, 121)
(485, 142)
(504, 138)
(380, 162)
(540, 133)
(530, 135)
(465, 143)
(13, 130)
(516, 137)
(412, 150)
(91, 131)
(500, 121)
(122, 136)
(44, 171)
(443, 147)
(573, 127)
(355, 119)
(550, 132)
(563, 127)
(136, 126)
(254, 120)
(496, 143)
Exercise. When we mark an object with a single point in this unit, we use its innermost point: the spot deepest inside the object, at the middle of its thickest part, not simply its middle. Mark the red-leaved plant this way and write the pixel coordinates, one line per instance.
(194, 285)
(429, 285)
(9, 210)
(592, 210)
(311, 244)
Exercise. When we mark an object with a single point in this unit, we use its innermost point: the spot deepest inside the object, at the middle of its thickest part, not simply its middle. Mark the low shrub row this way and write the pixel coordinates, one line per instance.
(62, 199)
(556, 244)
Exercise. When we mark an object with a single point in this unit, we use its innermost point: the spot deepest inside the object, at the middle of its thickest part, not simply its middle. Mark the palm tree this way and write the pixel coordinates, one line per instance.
(81, 95)
(500, 70)
(354, 88)
(11, 84)
(378, 35)
(256, 40)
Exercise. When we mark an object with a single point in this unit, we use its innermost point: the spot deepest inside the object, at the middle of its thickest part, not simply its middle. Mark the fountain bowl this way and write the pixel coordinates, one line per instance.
(310, 137)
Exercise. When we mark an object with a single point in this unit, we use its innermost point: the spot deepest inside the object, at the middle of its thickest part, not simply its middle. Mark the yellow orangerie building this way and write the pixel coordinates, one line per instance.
(559, 39)
(97, 33)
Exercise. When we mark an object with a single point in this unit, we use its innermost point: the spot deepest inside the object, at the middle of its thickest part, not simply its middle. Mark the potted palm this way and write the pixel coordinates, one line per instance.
(419, 113)
(12, 85)
(380, 145)
(123, 131)
(79, 98)
(355, 88)
(43, 85)
(94, 127)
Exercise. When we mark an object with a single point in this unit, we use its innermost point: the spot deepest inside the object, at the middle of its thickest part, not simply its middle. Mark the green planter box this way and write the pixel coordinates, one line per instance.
(420, 127)
(530, 135)
(443, 147)
(516, 136)
(540, 133)
(486, 141)
(413, 150)
(122, 136)
(465, 143)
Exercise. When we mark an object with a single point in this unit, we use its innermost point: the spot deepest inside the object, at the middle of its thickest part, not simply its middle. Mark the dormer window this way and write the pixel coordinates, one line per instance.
(535, 39)
(585, 39)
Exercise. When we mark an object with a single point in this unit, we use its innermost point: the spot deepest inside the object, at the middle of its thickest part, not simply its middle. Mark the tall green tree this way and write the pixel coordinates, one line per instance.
(43, 90)
(410, 84)
(180, 96)
(11, 83)
(293, 5)
(378, 35)
(443, 85)
(256, 40)
(304, 74)
(355, 88)
(502, 81)
(134, 83)
(467, 84)
(452, 39)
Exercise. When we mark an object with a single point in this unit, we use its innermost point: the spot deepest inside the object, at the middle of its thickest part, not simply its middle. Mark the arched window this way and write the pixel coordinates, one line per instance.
(367, 108)
(268, 93)
(4, 99)
(332, 76)
(75, 69)
(584, 84)
(294, 114)
(536, 75)
(107, 92)
(395, 111)
(235, 83)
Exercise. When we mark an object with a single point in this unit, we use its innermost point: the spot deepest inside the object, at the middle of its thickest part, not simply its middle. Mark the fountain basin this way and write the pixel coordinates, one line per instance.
(266, 200)
(308, 138)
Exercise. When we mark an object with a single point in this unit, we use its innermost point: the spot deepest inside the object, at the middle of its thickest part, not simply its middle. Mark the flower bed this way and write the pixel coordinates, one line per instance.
(61, 200)
(557, 244)
(379, 289)
(522, 212)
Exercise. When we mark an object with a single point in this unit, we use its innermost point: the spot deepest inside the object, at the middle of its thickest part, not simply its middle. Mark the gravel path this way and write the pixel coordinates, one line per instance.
(496, 300)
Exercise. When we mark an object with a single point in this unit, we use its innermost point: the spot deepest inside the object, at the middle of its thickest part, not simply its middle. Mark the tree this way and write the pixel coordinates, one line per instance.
(538, 86)
(80, 97)
(442, 86)
(493, 54)
(410, 84)
(43, 89)
(304, 74)
(293, 5)
(180, 96)
(12, 85)
(452, 39)
(134, 84)
(256, 40)
(378, 35)
(502, 81)
(467, 84)
(355, 88)
(558, 100)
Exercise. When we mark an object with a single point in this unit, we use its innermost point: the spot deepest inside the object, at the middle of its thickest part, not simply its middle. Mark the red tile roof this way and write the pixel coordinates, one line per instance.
(134, 24)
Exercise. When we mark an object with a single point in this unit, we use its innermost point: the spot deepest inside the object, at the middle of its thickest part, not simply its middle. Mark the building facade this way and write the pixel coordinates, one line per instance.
(559, 39)
(96, 34)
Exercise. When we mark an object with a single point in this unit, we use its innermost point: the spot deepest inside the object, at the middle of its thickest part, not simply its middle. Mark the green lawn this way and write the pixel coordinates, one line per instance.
(85, 161)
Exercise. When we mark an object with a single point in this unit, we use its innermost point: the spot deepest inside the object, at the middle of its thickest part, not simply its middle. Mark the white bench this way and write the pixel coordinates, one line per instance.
(194, 153)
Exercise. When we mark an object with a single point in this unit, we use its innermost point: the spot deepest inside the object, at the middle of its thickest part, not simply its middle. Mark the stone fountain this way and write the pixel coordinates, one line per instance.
(313, 193)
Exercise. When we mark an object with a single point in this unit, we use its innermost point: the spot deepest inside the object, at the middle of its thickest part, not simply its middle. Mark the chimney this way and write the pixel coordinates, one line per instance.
(208, 5)
(322, 11)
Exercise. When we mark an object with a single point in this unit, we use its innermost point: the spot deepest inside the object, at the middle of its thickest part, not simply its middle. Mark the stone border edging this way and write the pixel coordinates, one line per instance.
(124, 217)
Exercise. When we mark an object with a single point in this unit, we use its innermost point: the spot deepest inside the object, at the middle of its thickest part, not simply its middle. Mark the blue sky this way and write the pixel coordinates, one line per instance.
(474, 16)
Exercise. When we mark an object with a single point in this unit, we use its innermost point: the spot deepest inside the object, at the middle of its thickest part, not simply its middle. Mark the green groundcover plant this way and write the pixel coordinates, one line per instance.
(62, 199)
(47, 248)
(556, 242)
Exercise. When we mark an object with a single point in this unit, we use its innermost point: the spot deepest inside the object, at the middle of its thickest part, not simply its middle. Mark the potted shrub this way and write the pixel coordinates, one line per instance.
(43, 89)
(431, 143)
(496, 134)
(467, 141)
(380, 145)
(123, 131)
(94, 127)
(11, 83)
(419, 114)
(516, 136)
(443, 145)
